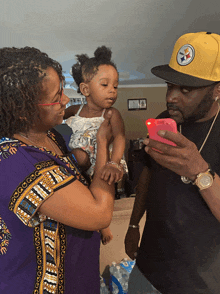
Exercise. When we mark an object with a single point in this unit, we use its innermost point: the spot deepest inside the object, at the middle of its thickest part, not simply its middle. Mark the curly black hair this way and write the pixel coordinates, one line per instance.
(21, 73)
(86, 68)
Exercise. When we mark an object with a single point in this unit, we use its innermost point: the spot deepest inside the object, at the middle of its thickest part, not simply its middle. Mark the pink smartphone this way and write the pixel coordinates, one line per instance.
(154, 125)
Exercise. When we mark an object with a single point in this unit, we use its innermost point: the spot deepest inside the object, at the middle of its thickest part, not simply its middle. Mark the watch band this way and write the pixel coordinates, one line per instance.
(211, 171)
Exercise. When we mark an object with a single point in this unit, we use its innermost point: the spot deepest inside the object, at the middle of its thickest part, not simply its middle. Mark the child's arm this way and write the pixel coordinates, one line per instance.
(82, 158)
(70, 111)
(113, 172)
(118, 131)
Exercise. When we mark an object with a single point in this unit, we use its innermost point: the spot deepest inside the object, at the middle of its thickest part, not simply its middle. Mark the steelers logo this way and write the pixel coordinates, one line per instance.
(185, 55)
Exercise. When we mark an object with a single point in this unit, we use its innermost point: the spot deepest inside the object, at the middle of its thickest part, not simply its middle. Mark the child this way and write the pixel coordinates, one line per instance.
(97, 80)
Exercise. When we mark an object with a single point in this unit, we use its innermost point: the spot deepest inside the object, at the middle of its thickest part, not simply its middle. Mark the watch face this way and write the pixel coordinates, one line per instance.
(205, 180)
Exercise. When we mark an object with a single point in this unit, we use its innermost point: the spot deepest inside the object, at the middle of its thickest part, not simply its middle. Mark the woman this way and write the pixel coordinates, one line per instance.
(48, 215)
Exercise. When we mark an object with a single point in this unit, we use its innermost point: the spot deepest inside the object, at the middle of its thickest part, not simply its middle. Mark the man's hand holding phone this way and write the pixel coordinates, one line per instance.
(177, 154)
(164, 124)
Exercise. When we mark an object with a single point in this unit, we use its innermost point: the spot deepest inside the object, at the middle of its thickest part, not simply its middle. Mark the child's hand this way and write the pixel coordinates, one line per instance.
(111, 173)
(106, 235)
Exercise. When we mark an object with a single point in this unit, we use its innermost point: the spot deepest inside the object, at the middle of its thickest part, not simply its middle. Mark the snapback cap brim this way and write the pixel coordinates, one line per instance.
(168, 74)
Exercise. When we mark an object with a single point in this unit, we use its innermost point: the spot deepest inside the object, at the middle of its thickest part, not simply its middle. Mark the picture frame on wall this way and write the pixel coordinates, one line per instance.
(143, 103)
(137, 104)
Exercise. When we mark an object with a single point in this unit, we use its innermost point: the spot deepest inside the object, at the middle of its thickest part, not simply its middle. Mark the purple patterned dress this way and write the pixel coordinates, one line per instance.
(38, 254)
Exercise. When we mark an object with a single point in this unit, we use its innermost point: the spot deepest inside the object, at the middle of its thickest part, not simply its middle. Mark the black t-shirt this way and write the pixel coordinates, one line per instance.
(180, 246)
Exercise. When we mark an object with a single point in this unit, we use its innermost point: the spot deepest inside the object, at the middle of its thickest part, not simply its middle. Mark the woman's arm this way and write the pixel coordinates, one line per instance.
(76, 205)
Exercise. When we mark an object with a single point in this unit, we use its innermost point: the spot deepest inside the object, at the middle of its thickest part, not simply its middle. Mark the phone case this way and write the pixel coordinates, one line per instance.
(154, 125)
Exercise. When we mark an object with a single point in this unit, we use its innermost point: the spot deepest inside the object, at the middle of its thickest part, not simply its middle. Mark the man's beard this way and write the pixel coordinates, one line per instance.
(201, 110)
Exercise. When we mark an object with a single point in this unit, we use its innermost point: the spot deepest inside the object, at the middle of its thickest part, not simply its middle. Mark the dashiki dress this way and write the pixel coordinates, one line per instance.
(38, 254)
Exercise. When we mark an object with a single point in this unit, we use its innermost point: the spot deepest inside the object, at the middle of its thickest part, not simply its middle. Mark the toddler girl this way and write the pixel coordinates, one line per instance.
(97, 80)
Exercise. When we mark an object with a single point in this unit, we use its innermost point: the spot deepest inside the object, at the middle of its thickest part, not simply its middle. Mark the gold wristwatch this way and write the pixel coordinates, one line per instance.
(204, 180)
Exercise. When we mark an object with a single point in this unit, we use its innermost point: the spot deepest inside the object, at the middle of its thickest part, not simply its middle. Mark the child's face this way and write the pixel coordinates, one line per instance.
(103, 87)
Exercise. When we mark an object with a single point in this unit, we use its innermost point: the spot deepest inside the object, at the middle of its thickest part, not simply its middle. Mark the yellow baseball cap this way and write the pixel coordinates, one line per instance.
(195, 61)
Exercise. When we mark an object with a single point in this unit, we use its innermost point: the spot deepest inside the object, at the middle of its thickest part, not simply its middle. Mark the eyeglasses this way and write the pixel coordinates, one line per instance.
(60, 94)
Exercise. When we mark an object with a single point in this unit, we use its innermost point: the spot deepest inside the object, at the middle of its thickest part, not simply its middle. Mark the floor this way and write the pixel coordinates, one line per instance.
(115, 250)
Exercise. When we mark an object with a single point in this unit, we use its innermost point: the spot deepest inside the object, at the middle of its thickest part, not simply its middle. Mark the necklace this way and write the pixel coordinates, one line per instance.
(186, 180)
(34, 143)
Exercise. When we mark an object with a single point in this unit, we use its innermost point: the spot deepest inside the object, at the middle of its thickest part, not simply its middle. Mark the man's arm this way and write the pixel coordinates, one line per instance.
(211, 196)
(185, 160)
(141, 197)
(133, 234)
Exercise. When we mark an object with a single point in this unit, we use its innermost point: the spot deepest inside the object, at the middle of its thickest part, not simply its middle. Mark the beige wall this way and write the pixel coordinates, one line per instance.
(135, 120)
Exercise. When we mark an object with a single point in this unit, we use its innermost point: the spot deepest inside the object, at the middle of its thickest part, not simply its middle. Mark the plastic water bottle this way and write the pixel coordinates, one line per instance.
(127, 264)
(119, 279)
(115, 276)
(103, 287)
(126, 268)
(124, 279)
(114, 263)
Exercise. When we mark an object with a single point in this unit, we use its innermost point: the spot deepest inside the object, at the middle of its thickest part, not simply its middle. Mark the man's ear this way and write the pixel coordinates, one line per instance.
(217, 90)
(84, 88)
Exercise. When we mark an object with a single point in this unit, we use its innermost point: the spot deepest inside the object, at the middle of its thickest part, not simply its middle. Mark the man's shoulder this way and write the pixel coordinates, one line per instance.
(164, 114)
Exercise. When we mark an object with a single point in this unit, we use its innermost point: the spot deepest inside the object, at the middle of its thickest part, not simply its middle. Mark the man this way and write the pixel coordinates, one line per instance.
(180, 248)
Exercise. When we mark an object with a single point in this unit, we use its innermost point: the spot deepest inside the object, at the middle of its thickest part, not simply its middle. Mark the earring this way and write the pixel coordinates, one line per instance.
(216, 98)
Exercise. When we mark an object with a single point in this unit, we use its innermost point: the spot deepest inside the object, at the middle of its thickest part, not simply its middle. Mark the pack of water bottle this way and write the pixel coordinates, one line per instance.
(104, 289)
(119, 275)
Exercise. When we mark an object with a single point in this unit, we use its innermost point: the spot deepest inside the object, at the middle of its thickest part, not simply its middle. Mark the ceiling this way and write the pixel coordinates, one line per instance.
(140, 33)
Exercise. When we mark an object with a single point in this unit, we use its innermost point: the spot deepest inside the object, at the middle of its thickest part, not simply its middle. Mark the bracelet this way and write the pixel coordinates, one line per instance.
(134, 227)
(118, 166)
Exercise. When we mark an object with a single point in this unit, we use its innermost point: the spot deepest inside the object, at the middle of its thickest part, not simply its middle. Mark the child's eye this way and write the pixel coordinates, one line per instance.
(104, 85)
(116, 87)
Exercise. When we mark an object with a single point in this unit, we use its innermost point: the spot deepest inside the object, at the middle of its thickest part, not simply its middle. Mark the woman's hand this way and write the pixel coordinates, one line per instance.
(105, 130)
